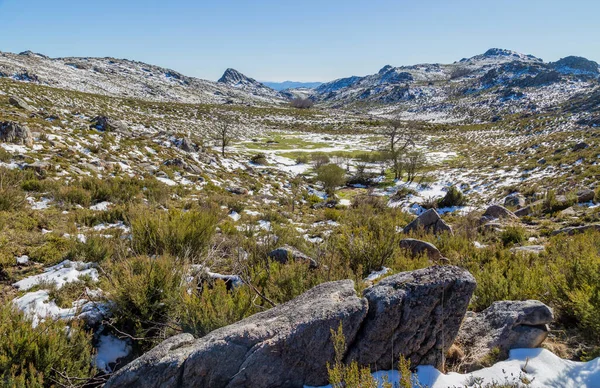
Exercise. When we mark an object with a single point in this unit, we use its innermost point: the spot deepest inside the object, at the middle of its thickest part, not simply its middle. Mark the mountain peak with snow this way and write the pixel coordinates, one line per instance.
(234, 78)
(502, 55)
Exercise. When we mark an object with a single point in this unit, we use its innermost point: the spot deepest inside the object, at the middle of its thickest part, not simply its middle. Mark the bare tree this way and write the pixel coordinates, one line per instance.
(399, 137)
(223, 133)
(414, 161)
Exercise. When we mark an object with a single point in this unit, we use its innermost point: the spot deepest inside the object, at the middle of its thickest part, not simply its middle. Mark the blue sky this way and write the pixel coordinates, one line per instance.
(303, 40)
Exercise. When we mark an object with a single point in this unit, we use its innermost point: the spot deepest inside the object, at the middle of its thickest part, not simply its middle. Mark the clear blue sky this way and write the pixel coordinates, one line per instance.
(302, 40)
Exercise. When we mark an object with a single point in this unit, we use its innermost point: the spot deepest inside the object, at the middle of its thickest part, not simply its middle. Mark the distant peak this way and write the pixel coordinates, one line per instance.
(385, 69)
(234, 77)
(503, 55)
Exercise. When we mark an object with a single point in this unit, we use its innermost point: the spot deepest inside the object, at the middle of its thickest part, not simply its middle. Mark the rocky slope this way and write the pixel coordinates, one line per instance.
(237, 80)
(125, 78)
(477, 88)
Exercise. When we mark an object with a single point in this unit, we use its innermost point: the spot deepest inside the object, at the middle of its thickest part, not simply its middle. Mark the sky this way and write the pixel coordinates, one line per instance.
(303, 40)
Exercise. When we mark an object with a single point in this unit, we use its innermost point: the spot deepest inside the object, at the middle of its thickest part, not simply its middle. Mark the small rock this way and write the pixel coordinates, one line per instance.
(286, 252)
(418, 247)
(571, 230)
(497, 212)
(237, 190)
(586, 195)
(515, 200)
(504, 325)
(20, 103)
(428, 221)
(580, 146)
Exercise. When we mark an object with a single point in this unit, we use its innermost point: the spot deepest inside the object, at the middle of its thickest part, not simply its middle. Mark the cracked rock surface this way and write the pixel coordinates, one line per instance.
(414, 313)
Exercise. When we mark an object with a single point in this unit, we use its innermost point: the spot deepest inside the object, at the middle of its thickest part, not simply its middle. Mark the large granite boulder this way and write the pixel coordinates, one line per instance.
(20, 103)
(430, 221)
(108, 124)
(504, 325)
(497, 212)
(414, 313)
(11, 132)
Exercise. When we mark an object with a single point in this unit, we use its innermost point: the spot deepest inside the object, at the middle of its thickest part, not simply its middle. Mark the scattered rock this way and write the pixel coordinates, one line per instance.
(108, 124)
(586, 195)
(415, 313)
(418, 247)
(515, 200)
(495, 212)
(429, 221)
(580, 146)
(525, 211)
(237, 190)
(568, 212)
(286, 252)
(20, 103)
(529, 249)
(38, 166)
(12, 132)
(504, 325)
(187, 145)
(571, 230)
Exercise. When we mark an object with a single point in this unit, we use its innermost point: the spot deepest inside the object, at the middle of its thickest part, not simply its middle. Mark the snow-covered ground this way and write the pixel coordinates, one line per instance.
(538, 367)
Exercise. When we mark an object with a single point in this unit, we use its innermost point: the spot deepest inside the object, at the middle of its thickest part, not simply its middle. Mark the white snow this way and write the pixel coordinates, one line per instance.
(60, 274)
(23, 259)
(102, 206)
(110, 349)
(539, 366)
(377, 274)
(235, 216)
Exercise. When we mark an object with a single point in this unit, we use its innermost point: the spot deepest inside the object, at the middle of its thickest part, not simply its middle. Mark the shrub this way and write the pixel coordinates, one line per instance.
(366, 240)
(512, 235)
(260, 159)
(52, 251)
(332, 176)
(210, 308)
(44, 355)
(302, 159)
(144, 295)
(178, 233)
(453, 197)
(74, 195)
(319, 159)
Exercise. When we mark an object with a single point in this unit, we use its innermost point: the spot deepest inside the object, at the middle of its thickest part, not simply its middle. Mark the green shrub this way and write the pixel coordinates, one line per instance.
(302, 159)
(42, 356)
(512, 235)
(260, 159)
(144, 295)
(52, 251)
(213, 307)
(74, 195)
(178, 233)
(332, 176)
(453, 197)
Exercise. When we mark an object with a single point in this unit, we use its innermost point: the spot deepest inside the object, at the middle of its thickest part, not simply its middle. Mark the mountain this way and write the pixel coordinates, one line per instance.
(126, 78)
(237, 80)
(477, 88)
(279, 86)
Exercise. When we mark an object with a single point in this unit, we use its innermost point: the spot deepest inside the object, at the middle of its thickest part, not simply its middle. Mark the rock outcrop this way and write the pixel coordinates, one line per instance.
(12, 132)
(20, 103)
(104, 123)
(286, 252)
(418, 247)
(428, 221)
(414, 313)
(495, 212)
(504, 325)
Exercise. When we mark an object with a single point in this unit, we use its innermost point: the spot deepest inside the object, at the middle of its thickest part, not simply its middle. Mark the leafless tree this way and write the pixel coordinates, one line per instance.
(399, 138)
(223, 133)
(414, 161)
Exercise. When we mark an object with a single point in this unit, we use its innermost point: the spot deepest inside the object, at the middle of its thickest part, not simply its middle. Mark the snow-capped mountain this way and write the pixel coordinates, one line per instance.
(125, 78)
(237, 80)
(497, 81)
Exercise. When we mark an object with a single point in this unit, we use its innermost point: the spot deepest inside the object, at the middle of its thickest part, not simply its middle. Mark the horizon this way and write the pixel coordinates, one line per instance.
(274, 42)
